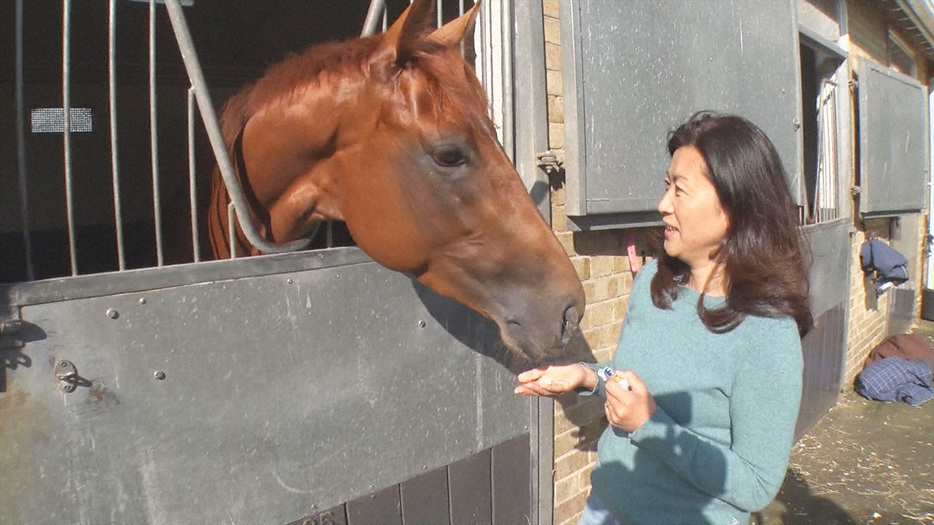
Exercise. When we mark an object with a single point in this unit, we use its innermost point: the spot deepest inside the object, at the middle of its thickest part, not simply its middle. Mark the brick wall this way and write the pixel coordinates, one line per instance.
(600, 260)
(867, 322)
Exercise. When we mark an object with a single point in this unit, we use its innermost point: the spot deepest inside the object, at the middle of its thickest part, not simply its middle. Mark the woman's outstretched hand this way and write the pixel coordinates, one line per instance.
(555, 380)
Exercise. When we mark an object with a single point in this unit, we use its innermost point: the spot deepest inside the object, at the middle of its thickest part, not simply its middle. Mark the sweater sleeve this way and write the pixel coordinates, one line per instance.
(763, 410)
(640, 287)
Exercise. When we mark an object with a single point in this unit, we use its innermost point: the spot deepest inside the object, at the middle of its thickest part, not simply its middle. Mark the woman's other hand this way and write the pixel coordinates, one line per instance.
(628, 409)
(555, 380)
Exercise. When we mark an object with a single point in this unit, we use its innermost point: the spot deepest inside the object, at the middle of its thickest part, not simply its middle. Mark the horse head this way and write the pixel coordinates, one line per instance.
(392, 135)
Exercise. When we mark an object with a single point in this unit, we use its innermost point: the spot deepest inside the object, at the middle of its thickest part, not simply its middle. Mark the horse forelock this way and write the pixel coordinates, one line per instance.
(454, 89)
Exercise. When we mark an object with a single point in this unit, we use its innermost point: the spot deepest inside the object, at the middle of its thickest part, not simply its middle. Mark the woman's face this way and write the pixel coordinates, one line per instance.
(695, 223)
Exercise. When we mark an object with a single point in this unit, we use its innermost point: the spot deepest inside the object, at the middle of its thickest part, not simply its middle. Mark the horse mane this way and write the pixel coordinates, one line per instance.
(351, 57)
(295, 71)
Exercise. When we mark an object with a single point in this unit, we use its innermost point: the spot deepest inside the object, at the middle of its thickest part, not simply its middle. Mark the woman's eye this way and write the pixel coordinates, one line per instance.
(448, 156)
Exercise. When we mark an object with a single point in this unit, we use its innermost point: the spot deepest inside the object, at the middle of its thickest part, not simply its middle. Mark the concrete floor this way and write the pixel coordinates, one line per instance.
(865, 462)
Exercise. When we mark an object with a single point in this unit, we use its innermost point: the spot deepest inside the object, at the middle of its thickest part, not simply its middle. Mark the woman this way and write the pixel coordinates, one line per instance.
(707, 385)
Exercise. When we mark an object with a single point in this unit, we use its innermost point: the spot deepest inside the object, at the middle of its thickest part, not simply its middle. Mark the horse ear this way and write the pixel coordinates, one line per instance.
(452, 33)
(408, 28)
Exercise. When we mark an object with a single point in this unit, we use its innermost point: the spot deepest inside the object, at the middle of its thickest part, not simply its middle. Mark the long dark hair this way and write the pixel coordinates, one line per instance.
(763, 254)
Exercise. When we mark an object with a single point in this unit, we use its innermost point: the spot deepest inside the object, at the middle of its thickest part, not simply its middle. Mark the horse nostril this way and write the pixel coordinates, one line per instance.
(572, 320)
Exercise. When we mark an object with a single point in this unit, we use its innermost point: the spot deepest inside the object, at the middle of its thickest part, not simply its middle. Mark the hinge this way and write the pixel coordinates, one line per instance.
(9, 325)
(549, 162)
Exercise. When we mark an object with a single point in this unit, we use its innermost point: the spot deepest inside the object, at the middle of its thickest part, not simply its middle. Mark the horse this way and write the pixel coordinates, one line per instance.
(392, 134)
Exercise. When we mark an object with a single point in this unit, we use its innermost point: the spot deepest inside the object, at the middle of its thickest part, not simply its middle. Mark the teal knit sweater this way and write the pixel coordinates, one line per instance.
(718, 445)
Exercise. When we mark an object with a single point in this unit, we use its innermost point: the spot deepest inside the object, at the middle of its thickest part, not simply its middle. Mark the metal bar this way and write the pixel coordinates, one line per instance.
(112, 95)
(231, 229)
(508, 96)
(196, 76)
(192, 178)
(66, 132)
(153, 133)
(21, 143)
(377, 7)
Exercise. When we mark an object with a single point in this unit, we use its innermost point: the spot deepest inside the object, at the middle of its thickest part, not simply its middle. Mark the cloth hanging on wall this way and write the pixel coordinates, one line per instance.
(888, 267)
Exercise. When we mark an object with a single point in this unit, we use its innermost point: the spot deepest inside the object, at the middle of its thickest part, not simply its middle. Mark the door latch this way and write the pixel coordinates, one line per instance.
(549, 162)
(67, 376)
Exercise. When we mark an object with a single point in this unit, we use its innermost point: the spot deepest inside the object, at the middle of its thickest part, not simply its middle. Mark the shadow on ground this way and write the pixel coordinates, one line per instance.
(865, 462)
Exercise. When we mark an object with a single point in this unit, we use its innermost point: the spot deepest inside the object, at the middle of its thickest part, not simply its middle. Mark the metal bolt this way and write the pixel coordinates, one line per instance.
(142, 300)
(158, 375)
(112, 313)
(289, 281)
(421, 323)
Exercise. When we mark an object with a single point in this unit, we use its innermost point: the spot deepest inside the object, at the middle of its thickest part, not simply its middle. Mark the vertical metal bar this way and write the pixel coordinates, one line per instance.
(212, 126)
(231, 229)
(192, 178)
(440, 18)
(112, 95)
(21, 144)
(66, 132)
(377, 8)
(153, 132)
(507, 98)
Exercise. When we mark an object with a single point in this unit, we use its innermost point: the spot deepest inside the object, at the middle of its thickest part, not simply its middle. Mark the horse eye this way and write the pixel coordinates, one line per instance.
(448, 156)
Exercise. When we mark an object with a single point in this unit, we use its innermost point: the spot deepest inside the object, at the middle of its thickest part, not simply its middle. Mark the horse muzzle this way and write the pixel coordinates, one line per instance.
(541, 337)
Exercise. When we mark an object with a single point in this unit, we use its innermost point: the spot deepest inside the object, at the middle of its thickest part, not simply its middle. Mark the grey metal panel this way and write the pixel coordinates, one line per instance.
(824, 349)
(425, 499)
(511, 476)
(829, 245)
(903, 232)
(382, 508)
(335, 516)
(901, 310)
(280, 392)
(98, 285)
(470, 483)
(543, 448)
(634, 70)
(893, 141)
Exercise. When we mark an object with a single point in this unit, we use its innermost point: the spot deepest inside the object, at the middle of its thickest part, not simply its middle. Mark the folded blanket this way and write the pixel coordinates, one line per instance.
(894, 379)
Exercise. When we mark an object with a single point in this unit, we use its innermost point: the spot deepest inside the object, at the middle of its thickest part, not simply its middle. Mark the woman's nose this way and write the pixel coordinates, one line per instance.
(664, 205)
